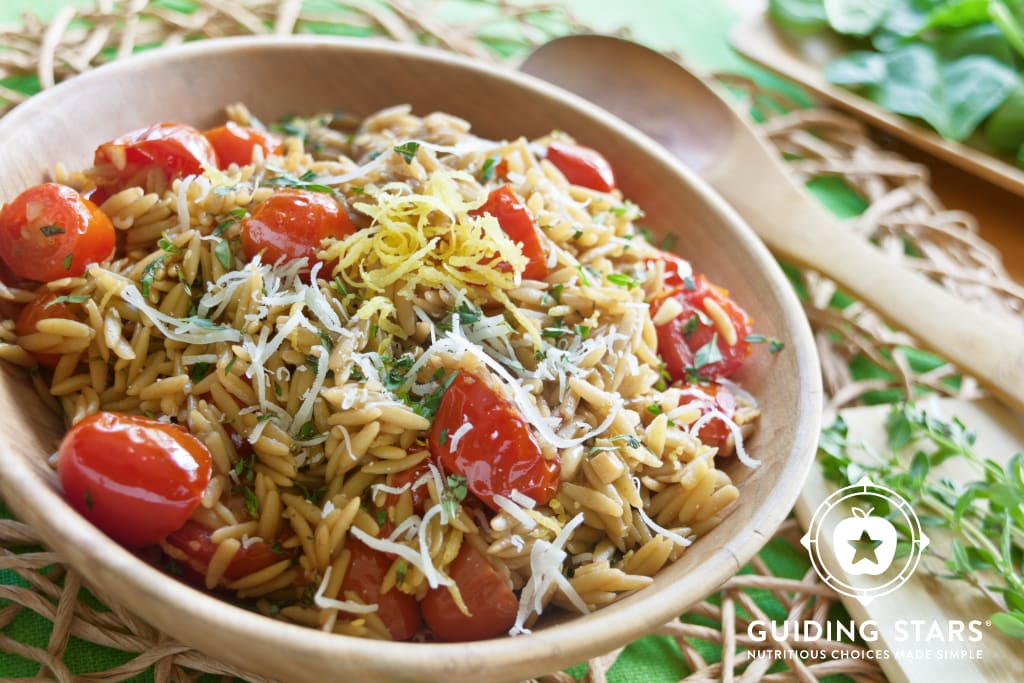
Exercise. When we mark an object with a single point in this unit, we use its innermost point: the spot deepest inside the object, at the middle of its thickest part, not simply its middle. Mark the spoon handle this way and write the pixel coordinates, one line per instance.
(796, 227)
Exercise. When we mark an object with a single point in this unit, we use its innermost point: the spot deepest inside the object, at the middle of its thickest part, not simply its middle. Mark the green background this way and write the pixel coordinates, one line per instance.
(698, 31)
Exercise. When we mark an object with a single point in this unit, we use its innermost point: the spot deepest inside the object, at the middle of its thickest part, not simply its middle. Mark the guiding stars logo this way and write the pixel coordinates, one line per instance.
(863, 543)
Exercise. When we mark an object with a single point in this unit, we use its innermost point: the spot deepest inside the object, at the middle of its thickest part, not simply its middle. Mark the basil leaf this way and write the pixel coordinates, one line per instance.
(857, 17)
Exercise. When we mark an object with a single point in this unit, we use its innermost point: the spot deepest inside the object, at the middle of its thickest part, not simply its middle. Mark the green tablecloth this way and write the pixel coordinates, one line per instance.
(696, 29)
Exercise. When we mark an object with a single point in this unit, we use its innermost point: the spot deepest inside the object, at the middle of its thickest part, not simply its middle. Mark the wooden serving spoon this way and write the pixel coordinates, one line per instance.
(684, 114)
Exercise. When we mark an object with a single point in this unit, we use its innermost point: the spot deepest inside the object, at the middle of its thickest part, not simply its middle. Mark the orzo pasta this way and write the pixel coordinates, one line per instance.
(381, 377)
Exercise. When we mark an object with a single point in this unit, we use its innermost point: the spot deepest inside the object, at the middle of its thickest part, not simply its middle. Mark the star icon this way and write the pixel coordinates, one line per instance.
(864, 548)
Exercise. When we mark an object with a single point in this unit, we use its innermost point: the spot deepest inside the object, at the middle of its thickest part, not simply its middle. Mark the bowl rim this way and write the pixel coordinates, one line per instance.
(555, 646)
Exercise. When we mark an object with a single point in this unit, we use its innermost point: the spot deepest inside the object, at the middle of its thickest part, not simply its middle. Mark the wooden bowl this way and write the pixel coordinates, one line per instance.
(275, 77)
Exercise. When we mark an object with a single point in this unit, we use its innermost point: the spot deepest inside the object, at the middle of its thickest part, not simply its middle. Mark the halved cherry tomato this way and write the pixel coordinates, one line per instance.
(710, 397)
(499, 453)
(680, 339)
(492, 604)
(291, 224)
(50, 231)
(675, 271)
(582, 166)
(193, 540)
(41, 308)
(399, 611)
(174, 150)
(234, 144)
(517, 222)
(135, 478)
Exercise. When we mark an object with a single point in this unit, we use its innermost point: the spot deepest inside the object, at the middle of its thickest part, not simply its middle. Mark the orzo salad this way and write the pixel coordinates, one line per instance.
(380, 377)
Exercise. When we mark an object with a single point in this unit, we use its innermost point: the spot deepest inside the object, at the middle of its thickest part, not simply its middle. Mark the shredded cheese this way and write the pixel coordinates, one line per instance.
(342, 605)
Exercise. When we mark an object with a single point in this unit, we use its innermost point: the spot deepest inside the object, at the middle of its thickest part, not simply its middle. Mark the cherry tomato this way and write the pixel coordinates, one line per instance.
(675, 270)
(135, 478)
(680, 339)
(710, 397)
(499, 453)
(173, 149)
(193, 539)
(234, 144)
(41, 308)
(582, 166)
(492, 604)
(399, 611)
(291, 224)
(517, 222)
(50, 231)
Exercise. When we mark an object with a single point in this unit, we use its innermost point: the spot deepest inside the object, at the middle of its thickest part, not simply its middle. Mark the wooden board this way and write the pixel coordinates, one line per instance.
(924, 597)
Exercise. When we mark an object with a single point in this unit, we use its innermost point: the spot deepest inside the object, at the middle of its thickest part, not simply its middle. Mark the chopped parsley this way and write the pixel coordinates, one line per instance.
(252, 503)
(168, 246)
(630, 440)
(774, 345)
(487, 170)
(556, 292)
(443, 438)
(222, 250)
(408, 150)
(199, 371)
(622, 280)
(690, 326)
(51, 230)
(66, 261)
(307, 431)
(306, 181)
(149, 274)
(455, 491)
(68, 299)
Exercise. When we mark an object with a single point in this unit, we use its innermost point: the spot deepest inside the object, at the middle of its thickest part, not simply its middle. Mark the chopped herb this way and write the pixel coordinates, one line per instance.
(252, 503)
(654, 409)
(168, 246)
(381, 517)
(88, 499)
(276, 548)
(222, 250)
(487, 170)
(540, 354)
(149, 274)
(278, 390)
(339, 286)
(51, 230)
(408, 150)
(185, 285)
(630, 440)
(583, 277)
(305, 182)
(429, 405)
(307, 431)
(689, 283)
(66, 261)
(707, 354)
(263, 417)
(576, 235)
(443, 438)
(669, 241)
(231, 364)
(401, 569)
(374, 328)
(394, 376)
(355, 374)
(553, 332)
(358, 190)
(455, 492)
(690, 326)
(582, 331)
(199, 371)
(556, 292)
(203, 323)
(622, 280)
(223, 227)
(68, 299)
(325, 340)
(468, 314)
(774, 345)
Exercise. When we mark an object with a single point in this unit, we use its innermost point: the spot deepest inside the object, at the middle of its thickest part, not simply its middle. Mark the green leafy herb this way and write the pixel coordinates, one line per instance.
(51, 230)
(455, 492)
(408, 150)
(401, 570)
(487, 169)
(430, 403)
(276, 548)
(689, 284)
(252, 503)
(203, 323)
(654, 409)
(583, 276)
(690, 326)
(985, 516)
(168, 246)
(231, 364)
(556, 292)
(774, 345)
(442, 439)
(622, 280)
(582, 331)
(307, 431)
(577, 234)
(222, 250)
(263, 417)
(66, 261)
(554, 332)
(149, 274)
(630, 440)
(705, 355)
(68, 299)
(199, 371)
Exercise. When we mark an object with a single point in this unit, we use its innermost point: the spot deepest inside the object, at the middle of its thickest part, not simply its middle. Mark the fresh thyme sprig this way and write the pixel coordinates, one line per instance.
(985, 516)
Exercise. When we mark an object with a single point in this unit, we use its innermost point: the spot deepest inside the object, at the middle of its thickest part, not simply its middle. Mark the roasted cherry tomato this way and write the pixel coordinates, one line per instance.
(492, 604)
(582, 166)
(517, 222)
(675, 271)
(41, 308)
(399, 611)
(234, 144)
(135, 478)
(193, 540)
(50, 231)
(171, 150)
(710, 397)
(291, 224)
(498, 453)
(681, 340)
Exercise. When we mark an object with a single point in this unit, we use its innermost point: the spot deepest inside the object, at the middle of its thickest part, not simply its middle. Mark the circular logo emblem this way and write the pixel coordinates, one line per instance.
(853, 549)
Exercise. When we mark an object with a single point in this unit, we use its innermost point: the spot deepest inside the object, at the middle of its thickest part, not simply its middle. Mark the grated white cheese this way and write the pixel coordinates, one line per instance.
(305, 411)
(418, 558)
(654, 526)
(522, 499)
(179, 329)
(393, 490)
(342, 605)
(198, 358)
(456, 436)
(327, 509)
(515, 512)
(737, 434)
(546, 561)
